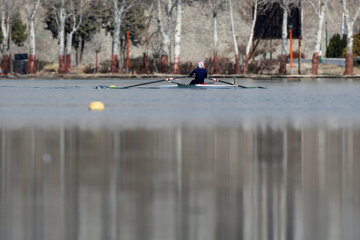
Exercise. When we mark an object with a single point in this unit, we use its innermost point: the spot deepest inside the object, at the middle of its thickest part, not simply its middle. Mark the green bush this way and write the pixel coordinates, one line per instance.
(18, 31)
(336, 46)
(356, 46)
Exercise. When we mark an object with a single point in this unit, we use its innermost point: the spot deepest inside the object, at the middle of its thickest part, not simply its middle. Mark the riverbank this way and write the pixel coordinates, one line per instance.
(325, 71)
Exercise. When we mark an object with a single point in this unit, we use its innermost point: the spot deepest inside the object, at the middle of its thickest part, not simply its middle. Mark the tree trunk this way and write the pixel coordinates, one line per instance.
(216, 43)
(68, 63)
(5, 28)
(237, 65)
(97, 62)
(32, 64)
(169, 24)
(315, 63)
(62, 66)
(246, 63)
(177, 50)
(82, 48)
(316, 55)
(283, 59)
(282, 68)
(216, 64)
(68, 51)
(349, 63)
(250, 42)
(32, 51)
(116, 37)
(164, 63)
(145, 62)
(115, 63)
(349, 22)
(165, 43)
(5, 64)
(32, 47)
(77, 55)
(236, 49)
(62, 18)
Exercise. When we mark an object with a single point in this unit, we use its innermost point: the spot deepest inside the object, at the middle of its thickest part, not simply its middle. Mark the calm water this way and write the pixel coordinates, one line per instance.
(279, 163)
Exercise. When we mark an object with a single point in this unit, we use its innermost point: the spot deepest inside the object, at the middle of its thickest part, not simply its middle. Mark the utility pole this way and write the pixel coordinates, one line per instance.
(326, 36)
(127, 47)
(291, 49)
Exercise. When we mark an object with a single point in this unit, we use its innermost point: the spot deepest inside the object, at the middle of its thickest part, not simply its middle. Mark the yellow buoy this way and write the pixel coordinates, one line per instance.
(112, 86)
(96, 106)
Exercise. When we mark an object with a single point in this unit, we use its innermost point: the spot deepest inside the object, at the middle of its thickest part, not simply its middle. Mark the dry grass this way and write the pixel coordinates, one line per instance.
(324, 69)
(51, 68)
(51, 71)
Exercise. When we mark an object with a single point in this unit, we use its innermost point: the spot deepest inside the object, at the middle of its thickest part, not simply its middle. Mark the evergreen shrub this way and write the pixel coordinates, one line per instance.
(336, 46)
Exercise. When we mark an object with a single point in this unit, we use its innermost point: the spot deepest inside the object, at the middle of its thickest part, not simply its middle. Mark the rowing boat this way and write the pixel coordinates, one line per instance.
(173, 84)
(196, 86)
(205, 86)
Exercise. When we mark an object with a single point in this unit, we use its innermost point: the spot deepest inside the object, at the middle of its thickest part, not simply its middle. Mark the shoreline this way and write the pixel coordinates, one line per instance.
(154, 76)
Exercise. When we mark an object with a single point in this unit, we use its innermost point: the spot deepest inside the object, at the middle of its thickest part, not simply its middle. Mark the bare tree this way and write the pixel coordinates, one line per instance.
(98, 43)
(76, 14)
(255, 4)
(350, 18)
(257, 7)
(7, 11)
(215, 7)
(59, 8)
(236, 48)
(31, 7)
(319, 7)
(147, 36)
(286, 6)
(165, 34)
(120, 7)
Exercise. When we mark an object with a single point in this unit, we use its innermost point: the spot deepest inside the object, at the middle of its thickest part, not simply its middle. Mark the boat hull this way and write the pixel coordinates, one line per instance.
(205, 86)
(196, 86)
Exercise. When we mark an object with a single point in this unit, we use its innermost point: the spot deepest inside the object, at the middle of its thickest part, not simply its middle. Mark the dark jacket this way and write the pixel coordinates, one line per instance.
(200, 75)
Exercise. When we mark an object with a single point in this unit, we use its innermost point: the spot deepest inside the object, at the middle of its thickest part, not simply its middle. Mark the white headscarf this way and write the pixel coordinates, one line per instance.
(201, 65)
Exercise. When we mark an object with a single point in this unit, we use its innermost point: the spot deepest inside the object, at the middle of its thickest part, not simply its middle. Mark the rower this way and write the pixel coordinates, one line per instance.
(200, 74)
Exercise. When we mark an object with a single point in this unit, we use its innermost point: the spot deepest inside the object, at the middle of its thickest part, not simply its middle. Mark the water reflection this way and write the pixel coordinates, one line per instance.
(179, 183)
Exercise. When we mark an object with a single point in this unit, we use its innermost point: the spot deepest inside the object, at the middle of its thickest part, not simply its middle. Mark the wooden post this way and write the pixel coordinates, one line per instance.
(96, 62)
(127, 50)
(299, 57)
(291, 54)
(253, 51)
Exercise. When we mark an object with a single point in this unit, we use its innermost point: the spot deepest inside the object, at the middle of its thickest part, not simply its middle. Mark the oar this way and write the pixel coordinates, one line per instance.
(234, 84)
(157, 81)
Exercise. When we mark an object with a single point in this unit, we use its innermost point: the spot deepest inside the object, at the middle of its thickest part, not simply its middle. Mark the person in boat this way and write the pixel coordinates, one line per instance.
(200, 74)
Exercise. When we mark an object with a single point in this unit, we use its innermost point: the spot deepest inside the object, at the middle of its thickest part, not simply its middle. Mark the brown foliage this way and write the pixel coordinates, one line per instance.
(105, 66)
(89, 69)
(226, 66)
(296, 55)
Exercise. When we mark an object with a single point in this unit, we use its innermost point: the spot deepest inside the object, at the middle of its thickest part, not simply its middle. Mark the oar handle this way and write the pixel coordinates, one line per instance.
(235, 84)
(173, 78)
(217, 80)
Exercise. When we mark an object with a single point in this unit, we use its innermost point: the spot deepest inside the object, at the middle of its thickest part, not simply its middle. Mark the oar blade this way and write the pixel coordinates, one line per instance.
(101, 87)
(118, 87)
